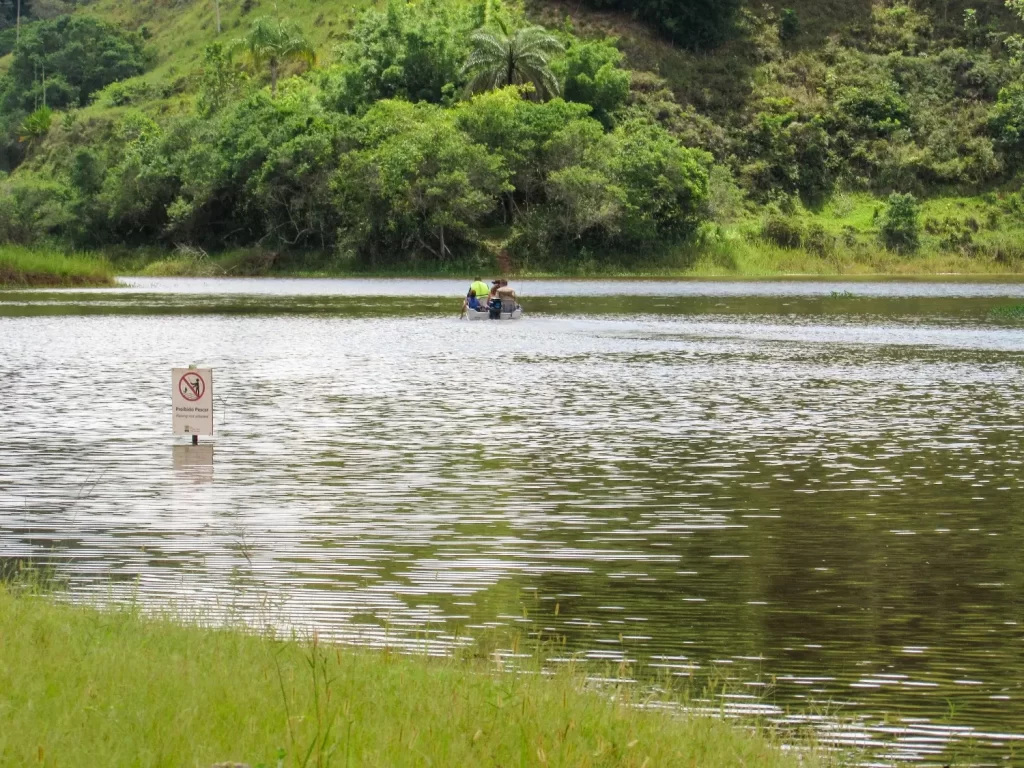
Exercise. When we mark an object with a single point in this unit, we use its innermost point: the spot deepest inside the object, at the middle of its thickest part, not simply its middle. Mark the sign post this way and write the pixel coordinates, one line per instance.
(192, 401)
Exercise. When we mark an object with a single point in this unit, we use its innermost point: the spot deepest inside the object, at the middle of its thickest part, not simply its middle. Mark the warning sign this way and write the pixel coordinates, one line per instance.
(192, 401)
(192, 386)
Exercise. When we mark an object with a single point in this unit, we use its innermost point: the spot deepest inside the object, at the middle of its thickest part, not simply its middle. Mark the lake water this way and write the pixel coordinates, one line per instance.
(817, 497)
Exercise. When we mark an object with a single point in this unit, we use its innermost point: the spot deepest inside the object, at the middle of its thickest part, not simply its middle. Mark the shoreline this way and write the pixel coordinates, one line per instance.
(981, 277)
(27, 268)
(49, 283)
(103, 686)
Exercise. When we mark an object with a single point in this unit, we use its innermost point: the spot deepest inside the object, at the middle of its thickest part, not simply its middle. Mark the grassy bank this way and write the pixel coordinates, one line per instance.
(24, 267)
(737, 254)
(80, 686)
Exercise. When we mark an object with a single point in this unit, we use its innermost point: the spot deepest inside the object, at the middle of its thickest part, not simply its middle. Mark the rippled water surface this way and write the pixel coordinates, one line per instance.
(816, 496)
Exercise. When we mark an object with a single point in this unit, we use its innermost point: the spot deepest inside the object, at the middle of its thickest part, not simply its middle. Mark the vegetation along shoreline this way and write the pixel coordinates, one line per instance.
(111, 686)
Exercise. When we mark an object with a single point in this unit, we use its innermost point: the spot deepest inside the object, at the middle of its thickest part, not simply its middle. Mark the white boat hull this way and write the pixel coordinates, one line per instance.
(472, 314)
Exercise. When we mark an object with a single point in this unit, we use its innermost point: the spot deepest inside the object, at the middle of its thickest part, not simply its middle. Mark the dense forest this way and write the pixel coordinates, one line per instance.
(474, 131)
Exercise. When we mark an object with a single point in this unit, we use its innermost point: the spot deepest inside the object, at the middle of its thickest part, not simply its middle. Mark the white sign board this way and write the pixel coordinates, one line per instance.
(192, 401)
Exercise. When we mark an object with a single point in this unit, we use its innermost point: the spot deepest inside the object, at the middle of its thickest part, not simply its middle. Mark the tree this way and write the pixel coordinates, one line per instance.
(78, 54)
(413, 51)
(592, 73)
(273, 43)
(521, 131)
(421, 187)
(1006, 121)
(665, 183)
(501, 58)
(220, 82)
(12, 12)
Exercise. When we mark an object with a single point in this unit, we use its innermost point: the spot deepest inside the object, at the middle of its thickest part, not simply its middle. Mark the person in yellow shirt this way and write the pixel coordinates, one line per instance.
(475, 297)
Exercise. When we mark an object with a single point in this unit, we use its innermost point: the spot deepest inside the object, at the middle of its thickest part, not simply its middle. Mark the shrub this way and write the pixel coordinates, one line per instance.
(819, 241)
(877, 108)
(36, 125)
(782, 231)
(32, 208)
(900, 228)
(898, 27)
(793, 156)
(124, 93)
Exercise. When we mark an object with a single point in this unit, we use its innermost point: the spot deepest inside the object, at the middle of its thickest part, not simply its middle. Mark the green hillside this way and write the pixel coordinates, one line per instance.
(818, 137)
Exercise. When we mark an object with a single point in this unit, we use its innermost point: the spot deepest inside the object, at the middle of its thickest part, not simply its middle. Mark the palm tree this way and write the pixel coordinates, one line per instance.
(275, 42)
(501, 59)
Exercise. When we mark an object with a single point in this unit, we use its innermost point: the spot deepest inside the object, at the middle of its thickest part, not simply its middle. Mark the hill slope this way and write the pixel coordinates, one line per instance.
(814, 114)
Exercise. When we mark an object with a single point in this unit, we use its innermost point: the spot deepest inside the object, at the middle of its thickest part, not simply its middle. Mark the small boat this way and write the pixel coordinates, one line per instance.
(472, 314)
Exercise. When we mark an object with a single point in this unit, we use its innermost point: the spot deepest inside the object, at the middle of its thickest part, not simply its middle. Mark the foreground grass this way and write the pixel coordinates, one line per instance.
(24, 267)
(80, 686)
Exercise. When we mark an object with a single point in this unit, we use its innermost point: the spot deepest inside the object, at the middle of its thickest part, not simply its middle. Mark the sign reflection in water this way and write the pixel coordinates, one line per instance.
(817, 497)
(193, 462)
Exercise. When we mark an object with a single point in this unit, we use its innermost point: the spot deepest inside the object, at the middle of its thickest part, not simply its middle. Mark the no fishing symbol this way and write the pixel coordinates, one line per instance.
(192, 387)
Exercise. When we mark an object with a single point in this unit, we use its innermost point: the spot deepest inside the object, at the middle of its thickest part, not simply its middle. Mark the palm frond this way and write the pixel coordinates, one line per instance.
(270, 39)
(483, 58)
(513, 59)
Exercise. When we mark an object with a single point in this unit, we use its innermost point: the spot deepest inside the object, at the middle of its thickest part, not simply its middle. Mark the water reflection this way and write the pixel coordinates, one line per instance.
(822, 503)
(193, 463)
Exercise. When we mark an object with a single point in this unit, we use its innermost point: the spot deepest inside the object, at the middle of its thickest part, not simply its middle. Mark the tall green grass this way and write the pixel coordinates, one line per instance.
(26, 267)
(739, 256)
(86, 687)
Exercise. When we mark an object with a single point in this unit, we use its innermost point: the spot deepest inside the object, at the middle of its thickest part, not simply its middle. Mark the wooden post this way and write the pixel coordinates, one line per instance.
(195, 438)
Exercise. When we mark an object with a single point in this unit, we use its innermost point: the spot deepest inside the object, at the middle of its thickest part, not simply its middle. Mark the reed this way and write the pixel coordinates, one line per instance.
(32, 267)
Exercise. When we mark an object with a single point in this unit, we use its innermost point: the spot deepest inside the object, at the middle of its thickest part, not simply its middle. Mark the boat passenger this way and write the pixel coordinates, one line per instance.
(493, 301)
(479, 287)
(507, 297)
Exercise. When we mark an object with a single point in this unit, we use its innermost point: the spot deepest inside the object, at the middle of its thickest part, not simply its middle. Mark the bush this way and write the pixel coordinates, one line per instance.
(877, 109)
(900, 228)
(125, 93)
(665, 183)
(32, 209)
(819, 241)
(36, 125)
(782, 231)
